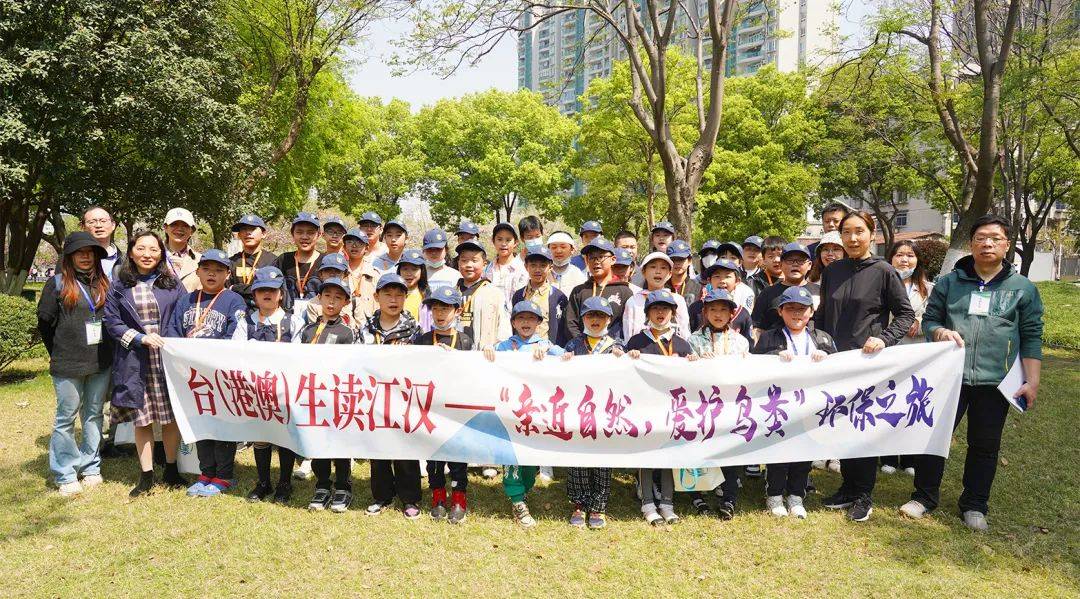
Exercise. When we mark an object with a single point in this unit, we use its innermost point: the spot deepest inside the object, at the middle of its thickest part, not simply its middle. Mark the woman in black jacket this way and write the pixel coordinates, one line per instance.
(69, 317)
(859, 295)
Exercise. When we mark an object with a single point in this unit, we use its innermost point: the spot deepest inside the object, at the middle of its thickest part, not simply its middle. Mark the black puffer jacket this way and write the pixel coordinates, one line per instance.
(857, 298)
(63, 330)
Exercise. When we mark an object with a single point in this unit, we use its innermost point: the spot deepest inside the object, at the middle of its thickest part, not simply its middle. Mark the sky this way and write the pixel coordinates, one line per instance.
(371, 74)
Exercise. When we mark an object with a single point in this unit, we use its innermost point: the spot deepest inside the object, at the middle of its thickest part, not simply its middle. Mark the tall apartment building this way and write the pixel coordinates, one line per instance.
(559, 56)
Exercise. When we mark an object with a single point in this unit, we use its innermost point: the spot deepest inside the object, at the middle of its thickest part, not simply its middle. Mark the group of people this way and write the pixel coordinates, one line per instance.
(106, 316)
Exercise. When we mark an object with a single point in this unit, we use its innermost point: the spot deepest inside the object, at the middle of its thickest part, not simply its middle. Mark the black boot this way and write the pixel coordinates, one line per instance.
(146, 482)
(172, 478)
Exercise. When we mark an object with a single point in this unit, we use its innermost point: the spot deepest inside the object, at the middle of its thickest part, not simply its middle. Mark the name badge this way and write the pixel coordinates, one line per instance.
(243, 271)
(980, 303)
(331, 338)
(93, 332)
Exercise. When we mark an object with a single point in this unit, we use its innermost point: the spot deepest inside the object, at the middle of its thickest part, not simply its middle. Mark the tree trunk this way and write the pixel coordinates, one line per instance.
(681, 210)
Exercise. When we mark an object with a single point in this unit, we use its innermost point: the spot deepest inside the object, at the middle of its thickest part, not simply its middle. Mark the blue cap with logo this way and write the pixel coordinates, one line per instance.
(719, 295)
(722, 265)
(356, 233)
(709, 247)
(755, 241)
(624, 257)
(334, 282)
(434, 238)
(730, 246)
(248, 220)
(664, 226)
(391, 278)
(468, 227)
(527, 307)
(679, 249)
(446, 294)
(596, 304)
(504, 227)
(334, 220)
(370, 217)
(539, 252)
(590, 226)
(306, 218)
(334, 261)
(470, 245)
(395, 223)
(411, 256)
(795, 295)
(660, 296)
(796, 248)
(268, 277)
(215, 255)
(598, 244)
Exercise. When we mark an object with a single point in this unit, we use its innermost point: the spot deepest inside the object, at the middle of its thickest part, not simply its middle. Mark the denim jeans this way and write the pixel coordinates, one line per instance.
(82, 397)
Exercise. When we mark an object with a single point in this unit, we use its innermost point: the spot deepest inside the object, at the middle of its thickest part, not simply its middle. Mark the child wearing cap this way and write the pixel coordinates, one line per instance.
(411, 268)
(793, 338)
(751, 252)
(269, 322)
(600, 254)
(391, 325)
(445, 305)
(828, 250)
(299, 266)
(250, 230)
(771, 270)
(439, 274)
(624, 269)
(212, 312)
(683, 281)
(362, 275)
(795, 262)
(589, 489)
(484, 312)
(564, 275)
(181, 258)
(741, 292)
(526, 318)
(724, 275)
(334, 295)
(506, 271)
(659, 338)
(333, 234)
(587, 232)
(335, 266)
(539, 289)
(371, 224)
(655, 271)
(395, 236)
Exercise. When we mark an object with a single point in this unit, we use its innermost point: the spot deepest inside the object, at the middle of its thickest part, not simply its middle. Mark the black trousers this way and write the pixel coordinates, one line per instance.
(263, 453)
(859, 475)
(898, 461)
(400, 478)
(342, 471)
(217, 459)
(459, 475)
(787, 479)
(986, 410)
(730, 486)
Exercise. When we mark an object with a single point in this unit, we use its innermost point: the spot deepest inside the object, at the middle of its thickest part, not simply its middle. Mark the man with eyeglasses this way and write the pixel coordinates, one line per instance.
(795, 262)
(599, 256)
(100, 225)
(996, 315)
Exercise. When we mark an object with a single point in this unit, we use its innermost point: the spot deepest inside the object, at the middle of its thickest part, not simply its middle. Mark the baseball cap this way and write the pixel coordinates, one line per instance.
(180, 214)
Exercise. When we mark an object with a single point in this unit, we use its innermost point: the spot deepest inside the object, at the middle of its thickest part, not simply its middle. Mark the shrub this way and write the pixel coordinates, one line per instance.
(18, 329)
(932, 255)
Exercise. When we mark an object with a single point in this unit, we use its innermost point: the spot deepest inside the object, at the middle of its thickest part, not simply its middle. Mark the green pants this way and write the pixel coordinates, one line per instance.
(519, 480)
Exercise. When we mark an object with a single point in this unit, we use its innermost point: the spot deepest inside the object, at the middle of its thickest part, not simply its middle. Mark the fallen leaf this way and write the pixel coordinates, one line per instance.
(22, 404)
(1004, 461)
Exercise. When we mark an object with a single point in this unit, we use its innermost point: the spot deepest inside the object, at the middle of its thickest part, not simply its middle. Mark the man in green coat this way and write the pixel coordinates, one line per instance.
(994, 313)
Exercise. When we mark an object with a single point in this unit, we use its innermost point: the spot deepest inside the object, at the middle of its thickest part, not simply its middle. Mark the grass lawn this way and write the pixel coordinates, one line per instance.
(100, 543)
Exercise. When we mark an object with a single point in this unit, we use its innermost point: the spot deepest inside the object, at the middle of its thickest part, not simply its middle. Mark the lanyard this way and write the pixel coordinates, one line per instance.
(302, 283)
(467, 308)
(435, 339)
(254, 262)
(89, 300)
(768, 277)
(602, 345)
(200, 315)
(602, 287)
(667, 351)
(791, 340)
(318, 331)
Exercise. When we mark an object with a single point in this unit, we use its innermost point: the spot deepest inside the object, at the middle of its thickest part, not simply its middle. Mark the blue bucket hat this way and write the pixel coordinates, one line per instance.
(444, 295)
(527, 307)
(268, 277)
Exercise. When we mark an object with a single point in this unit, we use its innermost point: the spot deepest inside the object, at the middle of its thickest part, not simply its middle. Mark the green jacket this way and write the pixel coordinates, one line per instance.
(1014, 324)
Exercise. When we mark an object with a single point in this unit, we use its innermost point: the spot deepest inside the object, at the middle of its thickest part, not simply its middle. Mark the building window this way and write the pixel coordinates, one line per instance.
(901, 219)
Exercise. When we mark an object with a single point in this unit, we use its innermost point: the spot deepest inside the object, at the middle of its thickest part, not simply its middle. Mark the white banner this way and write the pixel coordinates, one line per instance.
(408, 402)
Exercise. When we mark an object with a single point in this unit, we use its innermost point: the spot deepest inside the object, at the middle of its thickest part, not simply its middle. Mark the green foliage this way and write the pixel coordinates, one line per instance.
(18, 329)
(1061, 301)
(931, 256)
(483, 152)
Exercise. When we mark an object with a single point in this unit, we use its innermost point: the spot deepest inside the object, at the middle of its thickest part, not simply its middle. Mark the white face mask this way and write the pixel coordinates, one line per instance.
(561, 263)
(656, 327)
(435, 265)
(452, 326)
(597, 335)
(707, 261)
(906, 273)
(534, 244)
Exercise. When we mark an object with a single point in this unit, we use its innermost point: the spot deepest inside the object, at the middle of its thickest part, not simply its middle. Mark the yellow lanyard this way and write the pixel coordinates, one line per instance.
(250, 274)
(302, 283)
(594, 293)
(435, 339)
(200, 316)
(467, 308)
(667, 351)
(318, 331)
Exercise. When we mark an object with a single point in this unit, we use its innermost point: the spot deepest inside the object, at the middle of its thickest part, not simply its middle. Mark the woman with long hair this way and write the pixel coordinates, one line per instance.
(69, 318)
(139, 303)
(863, 306)
(828, 250)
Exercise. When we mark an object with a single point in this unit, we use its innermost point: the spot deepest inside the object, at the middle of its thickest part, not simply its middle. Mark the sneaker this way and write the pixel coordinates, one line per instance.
(490, 472)
(818, 464)
(216, 487)
(775, 505)
(341, 501)
(654, 518)
(861, 509)
(260, 492)
(376, 508)
(909, 471)
(914, 510)
(810, 487)
(282, 493)
(726, 510)
(887, 469)
(438, 503)
(92, 480)
(976, 521)
(754, 471)
(522, 515)
(145, 484)
(196, 488)
(701, 506)
(795, 507)
(668, 514)
(320, 500)
(577, 517)
(243, 445)
(457, 507)
(838, 501)
(411, 511)
(546, 474)
(70, 489)
(833, 465)
(303, 471)
(597, 520)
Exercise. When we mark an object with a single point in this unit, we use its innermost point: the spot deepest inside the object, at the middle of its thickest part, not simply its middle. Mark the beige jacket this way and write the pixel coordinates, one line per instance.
(183, 266)
(486, 312)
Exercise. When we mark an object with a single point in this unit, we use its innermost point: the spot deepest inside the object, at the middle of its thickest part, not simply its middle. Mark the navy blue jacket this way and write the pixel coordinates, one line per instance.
(131, 363)
(556, 313)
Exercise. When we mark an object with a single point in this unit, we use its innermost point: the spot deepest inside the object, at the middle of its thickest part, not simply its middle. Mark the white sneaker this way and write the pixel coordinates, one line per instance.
(976, 521)
(91, 481)
(913, 509)
(795, 507)
(887, 469)
(70, 489)
(909, 471)
(490, 472)
(775, 505)
(818, 464)
(303, 472)
(546, 474)
(833, 465)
